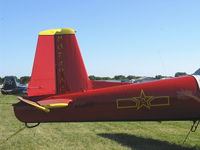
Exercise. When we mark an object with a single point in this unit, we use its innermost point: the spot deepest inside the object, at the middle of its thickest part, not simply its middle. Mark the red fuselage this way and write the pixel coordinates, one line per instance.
(169, 99)
(59, 75)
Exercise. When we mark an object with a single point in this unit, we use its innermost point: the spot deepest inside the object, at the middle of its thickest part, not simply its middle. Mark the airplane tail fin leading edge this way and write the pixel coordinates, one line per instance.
(58, 66)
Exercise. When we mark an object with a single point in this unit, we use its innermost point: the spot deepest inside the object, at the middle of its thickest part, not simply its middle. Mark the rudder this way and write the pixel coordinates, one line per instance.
(58, 65)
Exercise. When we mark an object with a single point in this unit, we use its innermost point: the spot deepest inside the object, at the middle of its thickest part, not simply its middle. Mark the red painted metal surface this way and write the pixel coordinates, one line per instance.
(60, 73)
(58, 67)
(104, 84)
(43, 73)
(168, 102)
(70, 70)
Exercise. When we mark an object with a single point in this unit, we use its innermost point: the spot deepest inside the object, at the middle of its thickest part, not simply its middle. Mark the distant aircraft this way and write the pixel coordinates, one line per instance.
(145, 79)
(60, 90)
(197, 72)
(11, 86)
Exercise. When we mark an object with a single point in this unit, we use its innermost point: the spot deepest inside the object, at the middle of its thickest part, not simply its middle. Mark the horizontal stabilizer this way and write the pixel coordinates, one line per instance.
(33, 104)
(46, 105)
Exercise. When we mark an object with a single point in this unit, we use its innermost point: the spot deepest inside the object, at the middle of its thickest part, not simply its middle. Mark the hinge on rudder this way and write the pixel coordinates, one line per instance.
(192, 129)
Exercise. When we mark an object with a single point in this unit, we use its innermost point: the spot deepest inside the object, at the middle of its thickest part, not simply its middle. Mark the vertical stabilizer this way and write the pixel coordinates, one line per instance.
(58, 66)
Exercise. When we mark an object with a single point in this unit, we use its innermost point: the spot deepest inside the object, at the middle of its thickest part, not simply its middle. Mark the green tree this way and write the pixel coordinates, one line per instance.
(106, 78)
(119, 77)
(1, 80)
(159, 76)
(132, 77)
(178, 74)
(24, 79)
(98, 78)
(92, 77)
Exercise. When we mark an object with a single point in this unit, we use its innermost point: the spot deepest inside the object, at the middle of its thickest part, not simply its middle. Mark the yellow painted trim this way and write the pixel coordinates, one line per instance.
(40, 107)
(126, 99)
(58, 31)
(137, 104)
(34, 104)
(57, 105)
(161, 97)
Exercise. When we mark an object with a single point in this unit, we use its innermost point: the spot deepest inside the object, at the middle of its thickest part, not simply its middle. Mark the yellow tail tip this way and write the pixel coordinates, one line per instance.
(58, 31)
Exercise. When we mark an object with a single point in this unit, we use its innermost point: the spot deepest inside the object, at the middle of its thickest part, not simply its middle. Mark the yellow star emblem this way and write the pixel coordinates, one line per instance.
(143, 100)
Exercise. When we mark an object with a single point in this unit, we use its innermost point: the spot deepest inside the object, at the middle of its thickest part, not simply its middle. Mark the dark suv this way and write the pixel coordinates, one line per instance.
(10, 86)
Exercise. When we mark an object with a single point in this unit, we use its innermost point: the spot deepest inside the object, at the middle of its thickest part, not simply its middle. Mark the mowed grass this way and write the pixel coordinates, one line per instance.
(93, 135)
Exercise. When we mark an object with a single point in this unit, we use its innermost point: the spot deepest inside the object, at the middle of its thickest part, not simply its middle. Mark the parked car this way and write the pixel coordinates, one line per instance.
(11, 86)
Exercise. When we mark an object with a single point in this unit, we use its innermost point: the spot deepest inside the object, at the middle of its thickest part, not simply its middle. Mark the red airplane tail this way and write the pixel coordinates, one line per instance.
(64, 91)
(58, 66)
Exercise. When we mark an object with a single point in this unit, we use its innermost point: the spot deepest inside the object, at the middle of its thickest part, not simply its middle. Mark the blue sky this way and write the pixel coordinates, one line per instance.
(129, 37)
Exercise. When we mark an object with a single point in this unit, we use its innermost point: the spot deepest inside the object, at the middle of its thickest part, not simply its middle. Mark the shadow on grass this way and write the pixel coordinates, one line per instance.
(141, 143)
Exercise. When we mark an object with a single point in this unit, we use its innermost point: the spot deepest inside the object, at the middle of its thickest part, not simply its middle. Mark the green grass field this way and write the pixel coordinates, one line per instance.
(95, 135)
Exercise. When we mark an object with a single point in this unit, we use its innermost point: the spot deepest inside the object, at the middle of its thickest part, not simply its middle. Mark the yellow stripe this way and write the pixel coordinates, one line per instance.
(33, 104)
(57, 105)
(40, 107)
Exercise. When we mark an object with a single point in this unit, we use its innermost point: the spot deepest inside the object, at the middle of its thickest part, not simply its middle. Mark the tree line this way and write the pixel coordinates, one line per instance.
(21, 80)
(130, 77)
(26, 79)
